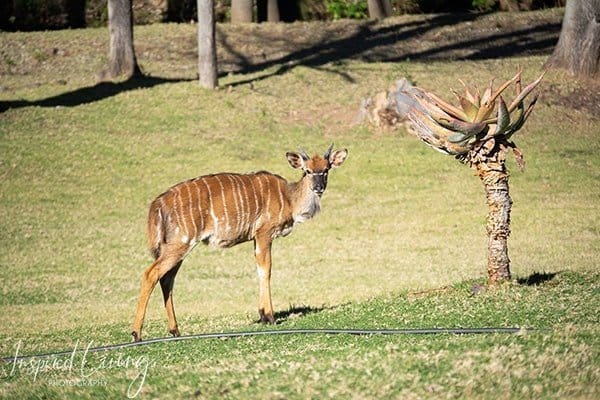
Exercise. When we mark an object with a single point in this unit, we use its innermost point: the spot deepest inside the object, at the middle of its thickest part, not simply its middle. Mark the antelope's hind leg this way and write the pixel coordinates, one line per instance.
(171, 257)
(166, 284)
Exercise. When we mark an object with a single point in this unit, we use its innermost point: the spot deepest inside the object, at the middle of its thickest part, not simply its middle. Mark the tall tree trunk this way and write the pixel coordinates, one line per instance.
(207, 51)
(578, 47)
(241, 11)
(267, 11)
(491, 169)
(379, 9)
(121, 60)
(273, 11)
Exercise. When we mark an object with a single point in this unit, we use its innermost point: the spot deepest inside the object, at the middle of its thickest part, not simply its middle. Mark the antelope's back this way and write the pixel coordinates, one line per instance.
(224, 209)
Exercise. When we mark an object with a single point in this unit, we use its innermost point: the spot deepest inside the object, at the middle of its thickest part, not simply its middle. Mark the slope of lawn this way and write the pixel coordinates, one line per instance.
(400, 241)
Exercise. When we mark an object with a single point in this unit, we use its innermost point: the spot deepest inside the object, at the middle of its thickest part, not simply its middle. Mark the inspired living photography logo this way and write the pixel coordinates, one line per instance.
(83, 366)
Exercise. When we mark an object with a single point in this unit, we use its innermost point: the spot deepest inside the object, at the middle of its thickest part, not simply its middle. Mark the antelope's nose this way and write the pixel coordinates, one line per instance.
(319, 188)
(319, 183)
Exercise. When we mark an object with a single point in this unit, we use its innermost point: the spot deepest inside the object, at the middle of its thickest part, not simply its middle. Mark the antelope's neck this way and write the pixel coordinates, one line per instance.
(305, 203)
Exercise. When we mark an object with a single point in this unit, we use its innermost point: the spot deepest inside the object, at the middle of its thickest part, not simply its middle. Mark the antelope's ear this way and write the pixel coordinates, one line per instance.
(337, 157)
(295, 160)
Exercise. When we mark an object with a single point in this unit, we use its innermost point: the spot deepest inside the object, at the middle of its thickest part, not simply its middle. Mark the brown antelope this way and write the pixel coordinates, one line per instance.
(226, 209)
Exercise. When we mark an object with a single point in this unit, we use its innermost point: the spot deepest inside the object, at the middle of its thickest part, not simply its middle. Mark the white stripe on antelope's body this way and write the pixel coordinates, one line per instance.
(226, 209)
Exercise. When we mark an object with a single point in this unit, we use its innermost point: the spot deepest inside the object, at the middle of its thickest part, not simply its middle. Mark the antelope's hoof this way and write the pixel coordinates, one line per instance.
(136, 336)
(267, 319)
(175, 332)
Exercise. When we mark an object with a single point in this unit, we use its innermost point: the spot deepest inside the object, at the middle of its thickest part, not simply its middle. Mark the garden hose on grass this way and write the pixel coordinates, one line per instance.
(242, 334)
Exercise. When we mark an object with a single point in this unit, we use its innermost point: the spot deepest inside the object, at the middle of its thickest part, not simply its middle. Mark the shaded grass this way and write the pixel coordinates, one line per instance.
(397, 218)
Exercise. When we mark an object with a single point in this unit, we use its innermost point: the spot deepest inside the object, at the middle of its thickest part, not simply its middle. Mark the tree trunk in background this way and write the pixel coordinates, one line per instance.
(578, 47)
(267, 11)
(491, 169)
(379, 9)
(121, 59)
(273, 11)
(207, 50)
(241, 11)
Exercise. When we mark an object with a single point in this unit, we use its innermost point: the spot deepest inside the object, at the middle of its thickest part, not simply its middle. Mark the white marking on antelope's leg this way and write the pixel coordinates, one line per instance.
(256, 251)
(185, 239)
(260, 272)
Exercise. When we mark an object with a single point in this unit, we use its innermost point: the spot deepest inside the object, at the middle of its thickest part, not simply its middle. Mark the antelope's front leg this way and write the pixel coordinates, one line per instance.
(262, 252)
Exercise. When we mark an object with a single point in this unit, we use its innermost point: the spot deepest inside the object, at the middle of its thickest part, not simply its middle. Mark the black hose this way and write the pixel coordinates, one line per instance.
(224, 335)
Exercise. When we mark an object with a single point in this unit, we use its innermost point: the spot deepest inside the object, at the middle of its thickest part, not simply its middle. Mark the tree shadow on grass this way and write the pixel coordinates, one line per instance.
(91, 94)
(367, 42)
(376, 43)
(537, 278)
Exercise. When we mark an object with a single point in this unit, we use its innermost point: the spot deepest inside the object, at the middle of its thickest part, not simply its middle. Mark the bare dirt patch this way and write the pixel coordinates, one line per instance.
(584, 97)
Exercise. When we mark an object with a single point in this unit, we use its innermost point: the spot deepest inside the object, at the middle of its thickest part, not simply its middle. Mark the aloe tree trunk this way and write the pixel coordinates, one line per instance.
(494, 176)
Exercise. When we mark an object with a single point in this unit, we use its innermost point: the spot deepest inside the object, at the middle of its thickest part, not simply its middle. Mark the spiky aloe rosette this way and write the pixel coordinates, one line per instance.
(477, 132)
(475, 127)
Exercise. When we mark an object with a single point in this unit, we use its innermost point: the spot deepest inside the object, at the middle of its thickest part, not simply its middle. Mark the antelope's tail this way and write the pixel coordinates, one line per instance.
(156, 228)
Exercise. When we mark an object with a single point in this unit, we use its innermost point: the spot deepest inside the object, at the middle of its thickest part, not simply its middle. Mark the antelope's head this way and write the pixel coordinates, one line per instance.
(316, 168)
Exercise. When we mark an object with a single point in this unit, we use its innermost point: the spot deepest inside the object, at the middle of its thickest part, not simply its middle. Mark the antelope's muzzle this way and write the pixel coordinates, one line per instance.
(319, 182)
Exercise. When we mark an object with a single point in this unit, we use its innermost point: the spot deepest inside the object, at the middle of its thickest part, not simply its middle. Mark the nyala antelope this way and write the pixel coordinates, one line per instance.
(226, 209)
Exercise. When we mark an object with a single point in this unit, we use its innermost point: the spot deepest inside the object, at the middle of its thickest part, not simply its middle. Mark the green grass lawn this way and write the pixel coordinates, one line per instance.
(399, 221)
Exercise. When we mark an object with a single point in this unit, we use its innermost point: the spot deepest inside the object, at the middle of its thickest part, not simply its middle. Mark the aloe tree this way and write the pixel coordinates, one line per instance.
(477, 132)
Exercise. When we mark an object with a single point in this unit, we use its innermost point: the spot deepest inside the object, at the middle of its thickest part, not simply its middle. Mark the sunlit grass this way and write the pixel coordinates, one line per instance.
(397, 218)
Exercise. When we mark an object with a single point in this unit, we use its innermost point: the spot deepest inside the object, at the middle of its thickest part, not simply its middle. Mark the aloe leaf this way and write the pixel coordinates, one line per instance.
(503, 116)
(525, 92)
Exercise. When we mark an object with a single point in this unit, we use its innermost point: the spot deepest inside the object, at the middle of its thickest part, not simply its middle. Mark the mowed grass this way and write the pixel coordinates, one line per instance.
(398, 222)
